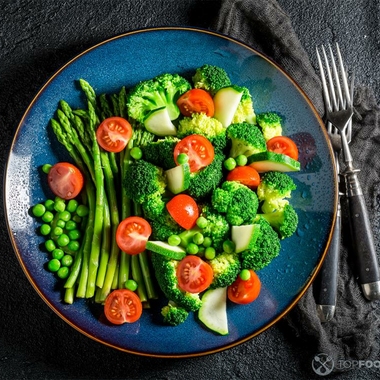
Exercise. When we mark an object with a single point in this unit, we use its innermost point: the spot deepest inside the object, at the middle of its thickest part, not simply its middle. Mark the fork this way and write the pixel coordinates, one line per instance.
(339, 111)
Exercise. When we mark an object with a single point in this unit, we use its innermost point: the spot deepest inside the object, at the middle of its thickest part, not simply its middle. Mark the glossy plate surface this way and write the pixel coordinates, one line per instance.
(123, 61)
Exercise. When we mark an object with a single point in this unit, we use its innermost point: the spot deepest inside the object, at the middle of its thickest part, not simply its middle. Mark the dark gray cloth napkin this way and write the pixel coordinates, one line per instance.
(353, 334)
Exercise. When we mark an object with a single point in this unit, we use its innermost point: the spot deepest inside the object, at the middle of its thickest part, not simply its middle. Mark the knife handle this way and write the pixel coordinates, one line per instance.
(327, 279)
(361, 233)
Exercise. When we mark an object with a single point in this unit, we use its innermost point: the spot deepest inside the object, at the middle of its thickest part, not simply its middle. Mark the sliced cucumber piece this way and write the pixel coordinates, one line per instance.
(178, 178)
(213, 312)
(158, 122)
(165, 249)
(226, 102)
(244, 236)
(270, 161)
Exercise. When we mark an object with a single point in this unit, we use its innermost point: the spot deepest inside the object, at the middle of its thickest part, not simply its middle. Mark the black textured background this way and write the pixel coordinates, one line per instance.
(36, 39)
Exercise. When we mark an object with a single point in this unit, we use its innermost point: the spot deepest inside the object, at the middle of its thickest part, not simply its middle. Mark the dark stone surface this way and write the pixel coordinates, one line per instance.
(36, 39)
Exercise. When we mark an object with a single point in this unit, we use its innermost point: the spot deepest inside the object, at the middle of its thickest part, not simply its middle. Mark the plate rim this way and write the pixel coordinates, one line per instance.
(311, 106)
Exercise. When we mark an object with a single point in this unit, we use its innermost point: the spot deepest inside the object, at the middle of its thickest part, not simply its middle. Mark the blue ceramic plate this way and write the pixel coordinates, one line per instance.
(123, 61)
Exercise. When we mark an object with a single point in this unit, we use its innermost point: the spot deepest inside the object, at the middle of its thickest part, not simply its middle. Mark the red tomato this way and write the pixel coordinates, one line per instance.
(122, 306)
(65, 180)
(132, 235)
(196, 100)
(243, 292)
(184, 210)
(283, 145)
(193, 274)
(199, 150)
(246, 175)
(113, 134)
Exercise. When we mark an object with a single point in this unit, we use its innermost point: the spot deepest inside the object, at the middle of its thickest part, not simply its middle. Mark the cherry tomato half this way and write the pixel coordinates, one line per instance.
(113, 134)
(246, 175)
(196, 100)
(199, 150)
(184, 210)
(65, 180)
(122, 306)
(194, 275)
(244, 291)
(132, 235)
(283, 145)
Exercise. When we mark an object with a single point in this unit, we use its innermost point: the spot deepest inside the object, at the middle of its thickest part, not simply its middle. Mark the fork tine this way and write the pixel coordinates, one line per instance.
(337, 81)
(344, 76)
(349, 128)
(326, 95)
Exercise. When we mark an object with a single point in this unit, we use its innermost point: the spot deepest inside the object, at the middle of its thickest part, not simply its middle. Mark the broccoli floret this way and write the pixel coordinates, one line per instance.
(265, 249)
(174, 315)
(163, 226)
(165, 271)
(270, 124)
(217, 227)
(161, 152)
(211, 78)
(245, 139)
(273, 190)
(226, 267)
(201, 124)
(245, 110)
(204, 181)
(142, 180)
(237, 201)
(154, 206)
(283, 221)
(158, 92)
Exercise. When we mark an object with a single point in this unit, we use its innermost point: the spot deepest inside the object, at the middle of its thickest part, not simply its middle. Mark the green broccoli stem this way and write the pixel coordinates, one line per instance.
(100, 194)
(138, 277)
(125, 259)
(144, 263)
(105, 247)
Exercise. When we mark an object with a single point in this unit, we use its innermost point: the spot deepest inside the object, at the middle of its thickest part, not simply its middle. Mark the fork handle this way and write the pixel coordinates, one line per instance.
(361, 232)
(327, 279)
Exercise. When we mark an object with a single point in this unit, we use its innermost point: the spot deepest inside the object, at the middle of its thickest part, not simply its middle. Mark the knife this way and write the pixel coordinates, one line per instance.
(327, 279)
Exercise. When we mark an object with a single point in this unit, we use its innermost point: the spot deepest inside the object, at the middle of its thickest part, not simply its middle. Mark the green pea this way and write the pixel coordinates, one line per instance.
(63, 272)
(67, 260)
(61, 223)
(74, 234)
(131, 285)
(207, 242)
(73, 245)
(50, 245)
(201, 222)
(198, 238)
(72, 205)
(136, 153)
(241, 160)
(47, 217)
(54, 265)
(57, 254)
(201, 251)
(82, 210)
(174, 240)
(210, 253)
(65, 215)
(76, 218)
(57, 231)
(228, 246)
(71, 225)
(59, 206)
(38, 210)
(45, 229)
(230, 163)
(182, 158)
(46, 168)
(49, 204)
(245, 274)
(63, 240)
(192, 249)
